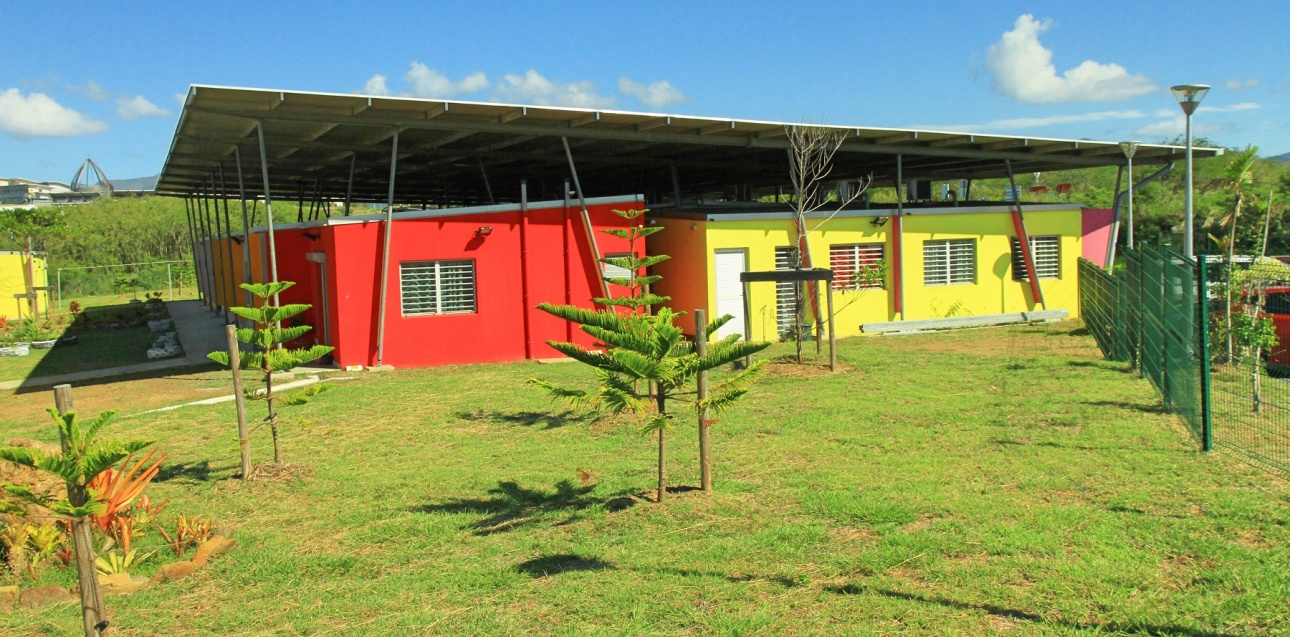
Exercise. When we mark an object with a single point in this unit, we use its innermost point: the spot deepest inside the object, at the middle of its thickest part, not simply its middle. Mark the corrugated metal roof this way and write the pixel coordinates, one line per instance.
(453, 152)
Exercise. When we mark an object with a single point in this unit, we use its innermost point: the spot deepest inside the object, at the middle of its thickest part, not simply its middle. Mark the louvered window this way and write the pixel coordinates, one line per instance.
(949, 262)
(611, 271)
(437, 287)
(856, 266)
(1047, 254)
(785, 308)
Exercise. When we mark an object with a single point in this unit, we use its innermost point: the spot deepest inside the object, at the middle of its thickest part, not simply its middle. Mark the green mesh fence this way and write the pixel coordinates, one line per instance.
(1147, 313)
(1249, 343)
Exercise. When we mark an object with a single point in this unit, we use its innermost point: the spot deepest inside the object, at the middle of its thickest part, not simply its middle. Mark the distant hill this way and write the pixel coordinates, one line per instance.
(1281, 159)
(138, 183)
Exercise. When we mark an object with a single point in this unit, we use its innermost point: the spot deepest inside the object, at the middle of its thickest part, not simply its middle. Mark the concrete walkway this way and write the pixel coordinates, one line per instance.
(200, 332)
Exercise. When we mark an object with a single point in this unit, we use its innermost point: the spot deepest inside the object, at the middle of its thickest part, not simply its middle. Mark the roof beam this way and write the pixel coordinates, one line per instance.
(951, 141)
(717, 128)
(513, 115)
(654, 123)
(903, 136)
(584, 120)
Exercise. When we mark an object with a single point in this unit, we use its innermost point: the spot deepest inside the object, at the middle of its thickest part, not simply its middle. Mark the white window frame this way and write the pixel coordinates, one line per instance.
(440, 302)
(611, 271)
(1047, 252)
(939, 257)
(853, 257)
(785, 291)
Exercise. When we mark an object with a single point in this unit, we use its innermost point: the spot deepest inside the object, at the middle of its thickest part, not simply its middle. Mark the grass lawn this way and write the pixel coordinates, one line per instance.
(978, 482)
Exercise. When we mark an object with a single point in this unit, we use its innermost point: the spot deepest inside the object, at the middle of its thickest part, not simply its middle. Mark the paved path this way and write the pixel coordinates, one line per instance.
(200, 332)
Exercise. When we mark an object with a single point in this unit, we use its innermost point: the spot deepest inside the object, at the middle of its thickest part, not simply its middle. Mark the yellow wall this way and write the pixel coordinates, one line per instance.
(13, 280)
(993, 293)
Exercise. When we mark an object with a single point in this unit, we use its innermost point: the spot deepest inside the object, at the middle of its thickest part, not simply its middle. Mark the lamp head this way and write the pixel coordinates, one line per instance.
(1129, 149)
(1189, 96)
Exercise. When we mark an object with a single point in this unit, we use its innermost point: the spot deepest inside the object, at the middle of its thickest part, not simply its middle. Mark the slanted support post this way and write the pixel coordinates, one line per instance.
(487, 186)
(1019, 226)
(385, 253)
(349, 185)
(228, 244)
(586, 219)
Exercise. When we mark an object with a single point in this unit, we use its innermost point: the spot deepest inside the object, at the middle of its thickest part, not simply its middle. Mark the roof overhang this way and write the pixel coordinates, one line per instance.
(452, 153)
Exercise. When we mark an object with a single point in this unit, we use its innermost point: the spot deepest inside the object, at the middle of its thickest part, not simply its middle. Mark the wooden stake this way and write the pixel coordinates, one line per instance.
(701, 348)
(87, 575)
(243, 432)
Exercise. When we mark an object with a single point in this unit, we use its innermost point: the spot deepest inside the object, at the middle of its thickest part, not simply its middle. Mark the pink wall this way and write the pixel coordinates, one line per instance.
(1096, 234)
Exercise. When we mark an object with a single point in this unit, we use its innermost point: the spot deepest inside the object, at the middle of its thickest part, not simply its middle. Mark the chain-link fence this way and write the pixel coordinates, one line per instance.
(172, 278)
(1213, 337)
(1249, 329)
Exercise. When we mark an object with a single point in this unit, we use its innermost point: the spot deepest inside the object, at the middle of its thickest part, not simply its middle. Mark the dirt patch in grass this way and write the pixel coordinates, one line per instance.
(129, 396)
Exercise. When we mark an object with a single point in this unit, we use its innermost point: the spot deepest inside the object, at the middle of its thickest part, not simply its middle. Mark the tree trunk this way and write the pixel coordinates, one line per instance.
(662, 444)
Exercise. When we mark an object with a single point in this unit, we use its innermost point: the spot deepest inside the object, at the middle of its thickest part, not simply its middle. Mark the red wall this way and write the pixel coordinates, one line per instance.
(1097, 234)
(548, 250)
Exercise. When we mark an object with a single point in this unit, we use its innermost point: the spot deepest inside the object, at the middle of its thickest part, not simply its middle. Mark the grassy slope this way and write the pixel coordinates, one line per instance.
(962, 483)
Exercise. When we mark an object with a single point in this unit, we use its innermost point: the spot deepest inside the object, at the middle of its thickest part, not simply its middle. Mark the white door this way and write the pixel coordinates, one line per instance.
(730, 291)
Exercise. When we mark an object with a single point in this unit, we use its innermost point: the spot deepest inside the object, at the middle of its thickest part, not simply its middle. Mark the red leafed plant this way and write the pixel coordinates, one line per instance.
(117, 488)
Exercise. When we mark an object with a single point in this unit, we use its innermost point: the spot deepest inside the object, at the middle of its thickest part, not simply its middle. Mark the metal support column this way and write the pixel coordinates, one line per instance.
(1113, 237)
(1023, 238)
(192, 240)
(349, 185)
(586, 219)
(228, 239)
(246, 225)
(385, 254)
(1110, 255)
(487, 185)
(268, 208)
(897, 243)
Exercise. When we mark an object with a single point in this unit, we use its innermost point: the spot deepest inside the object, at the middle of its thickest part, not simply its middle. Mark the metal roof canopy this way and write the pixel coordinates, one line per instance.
(454, 153)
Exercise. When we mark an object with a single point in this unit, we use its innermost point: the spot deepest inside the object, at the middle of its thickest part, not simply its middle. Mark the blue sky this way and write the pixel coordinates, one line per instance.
(103, 80)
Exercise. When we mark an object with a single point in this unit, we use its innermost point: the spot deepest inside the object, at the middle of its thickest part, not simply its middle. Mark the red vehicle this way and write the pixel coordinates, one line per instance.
(1277, 306)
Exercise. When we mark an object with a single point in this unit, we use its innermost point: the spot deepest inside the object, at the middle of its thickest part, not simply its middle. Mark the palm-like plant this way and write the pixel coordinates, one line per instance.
(1238, 175)
(267, 354)
(83, 457)
(647, 349)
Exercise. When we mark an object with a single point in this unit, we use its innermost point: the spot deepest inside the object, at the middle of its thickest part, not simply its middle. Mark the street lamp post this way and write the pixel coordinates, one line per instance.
(1189, 97)
(1129, 149)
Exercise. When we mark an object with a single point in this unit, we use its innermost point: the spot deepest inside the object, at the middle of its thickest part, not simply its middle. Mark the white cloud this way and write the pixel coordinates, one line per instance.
(424, 81)
(132, 108)
(1038, 122)
(38, 115)
(1022, 69)
(93, 91)
(376, 85)
(1177, 125)
(1237, 85)
(660, 94)
(1243, 106)
(181, 99)
(533, 88)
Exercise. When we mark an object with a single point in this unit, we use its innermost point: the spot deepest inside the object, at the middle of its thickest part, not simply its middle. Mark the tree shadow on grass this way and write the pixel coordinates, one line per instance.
(547, 420)
(512, 506)
(1156, 408)
(1028, 616)
(1057, 445)
(549, 565)
(185, 472)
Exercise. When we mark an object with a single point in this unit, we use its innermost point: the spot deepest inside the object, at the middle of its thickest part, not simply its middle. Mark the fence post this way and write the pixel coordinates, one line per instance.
(1142, 316)
(1206, 407)
(1164, 325)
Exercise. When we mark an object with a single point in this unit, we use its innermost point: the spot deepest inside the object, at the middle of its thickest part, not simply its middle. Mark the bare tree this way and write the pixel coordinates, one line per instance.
(810, 167)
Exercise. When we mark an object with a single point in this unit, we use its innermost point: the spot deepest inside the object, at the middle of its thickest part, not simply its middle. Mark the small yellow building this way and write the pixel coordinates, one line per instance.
(890, 272)
(13, 281)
